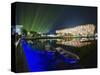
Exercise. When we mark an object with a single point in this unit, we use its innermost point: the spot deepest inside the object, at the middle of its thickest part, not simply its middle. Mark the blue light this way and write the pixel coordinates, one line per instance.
(35, 59)
(69, 60)
(41, 60)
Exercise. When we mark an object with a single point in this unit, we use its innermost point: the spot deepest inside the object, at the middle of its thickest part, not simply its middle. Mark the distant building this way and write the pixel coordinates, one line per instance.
(82, 30)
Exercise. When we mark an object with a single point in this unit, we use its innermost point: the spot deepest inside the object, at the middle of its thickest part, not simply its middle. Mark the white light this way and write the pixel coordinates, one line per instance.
(51, 35)
(18, 29)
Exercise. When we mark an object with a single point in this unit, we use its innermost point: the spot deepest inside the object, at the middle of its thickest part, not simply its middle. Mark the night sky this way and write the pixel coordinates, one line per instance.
(47, 18)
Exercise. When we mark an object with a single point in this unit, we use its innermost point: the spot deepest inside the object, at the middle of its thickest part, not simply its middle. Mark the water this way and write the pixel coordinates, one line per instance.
(42, 55)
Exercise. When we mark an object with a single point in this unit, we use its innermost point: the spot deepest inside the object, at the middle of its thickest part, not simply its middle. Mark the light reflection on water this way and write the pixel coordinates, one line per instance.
(65, 48)
(76, 42)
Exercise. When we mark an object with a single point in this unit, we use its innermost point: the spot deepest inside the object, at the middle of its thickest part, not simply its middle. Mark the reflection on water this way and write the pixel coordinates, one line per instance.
(76, 42)
(69, 53)
(62, 46)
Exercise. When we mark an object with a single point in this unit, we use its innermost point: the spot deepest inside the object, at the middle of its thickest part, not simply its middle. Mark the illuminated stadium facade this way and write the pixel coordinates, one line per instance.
(82, 30)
